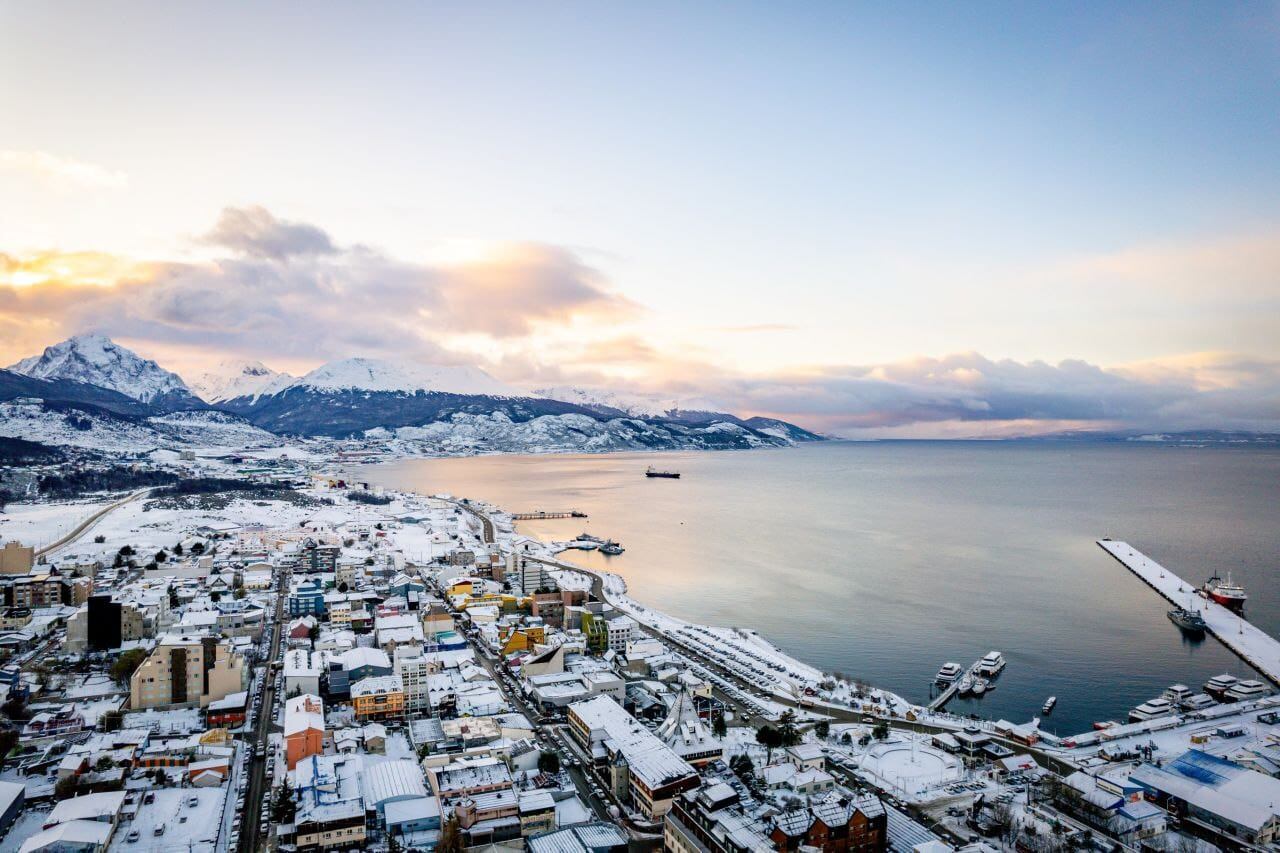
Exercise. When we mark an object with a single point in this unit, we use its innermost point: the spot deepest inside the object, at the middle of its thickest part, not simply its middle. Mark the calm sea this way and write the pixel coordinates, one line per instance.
(884, 560)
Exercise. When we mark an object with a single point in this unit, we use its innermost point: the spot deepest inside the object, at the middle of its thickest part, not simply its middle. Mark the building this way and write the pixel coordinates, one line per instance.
(687, 734)
(594, 837)
(620, 631)
(302, 672)
(1236, 804)
(641, 767)
(303, 728)
(12, 799)
(16, 558)
(185, 670)
(307, 598)
(379, 697)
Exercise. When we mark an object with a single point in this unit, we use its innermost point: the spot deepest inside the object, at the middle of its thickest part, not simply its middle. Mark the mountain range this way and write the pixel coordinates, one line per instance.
(89, 383)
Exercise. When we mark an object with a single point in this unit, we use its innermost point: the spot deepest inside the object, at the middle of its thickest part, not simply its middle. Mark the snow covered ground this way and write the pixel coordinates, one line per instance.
(40, 524)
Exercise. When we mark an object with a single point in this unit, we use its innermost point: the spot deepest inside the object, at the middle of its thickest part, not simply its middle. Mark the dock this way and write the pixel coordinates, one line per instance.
(541, 515)
(1253, 645)
(940, 701)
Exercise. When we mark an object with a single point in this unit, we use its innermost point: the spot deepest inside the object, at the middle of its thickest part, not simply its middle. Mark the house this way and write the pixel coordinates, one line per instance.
(303, 728)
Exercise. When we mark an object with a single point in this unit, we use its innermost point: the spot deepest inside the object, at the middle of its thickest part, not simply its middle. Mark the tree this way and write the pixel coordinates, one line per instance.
(743, 767)
(450, 840)
(197, 548)
(718, 727)
(424, 751)
(770, 738)
(8, 740)
(66, 787)
(342, 587)
(284, 808)
(161, 556)
(125, 665)
(125, 551)
(881, 730)
(549, 762)
(177, 550)
(788, 729)
(103, 763)
(239, 593)
(822, 729)
(99, 539)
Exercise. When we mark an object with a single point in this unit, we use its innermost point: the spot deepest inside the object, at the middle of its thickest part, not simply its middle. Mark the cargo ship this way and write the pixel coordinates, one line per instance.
(666, 475)
(1228, 594)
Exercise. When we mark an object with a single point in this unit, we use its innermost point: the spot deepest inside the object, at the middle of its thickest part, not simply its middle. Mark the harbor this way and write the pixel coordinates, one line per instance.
(1253, 645)
(543, 515)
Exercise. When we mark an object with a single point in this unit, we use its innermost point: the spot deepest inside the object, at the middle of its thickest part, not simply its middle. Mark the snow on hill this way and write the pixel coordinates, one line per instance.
(374, 374)
(97, 360)
(234, 378)
(103, 431)
(600, 399)
(468, 433)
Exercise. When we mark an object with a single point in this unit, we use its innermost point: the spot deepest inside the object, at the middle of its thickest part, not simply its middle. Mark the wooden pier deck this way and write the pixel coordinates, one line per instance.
(1253, 645)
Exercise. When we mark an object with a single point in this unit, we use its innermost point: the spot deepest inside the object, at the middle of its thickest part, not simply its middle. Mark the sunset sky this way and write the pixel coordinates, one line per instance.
(951, 220)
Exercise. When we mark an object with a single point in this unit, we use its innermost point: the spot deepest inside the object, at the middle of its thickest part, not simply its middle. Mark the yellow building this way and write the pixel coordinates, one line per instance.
(184, 670)
(379, 697)
(524, 639)
(16, 558)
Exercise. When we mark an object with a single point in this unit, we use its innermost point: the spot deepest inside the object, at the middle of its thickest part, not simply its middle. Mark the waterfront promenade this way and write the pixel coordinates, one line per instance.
(1256, 647)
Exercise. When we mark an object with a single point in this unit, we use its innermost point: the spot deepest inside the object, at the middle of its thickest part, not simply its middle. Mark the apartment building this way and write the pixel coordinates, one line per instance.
(187, 670)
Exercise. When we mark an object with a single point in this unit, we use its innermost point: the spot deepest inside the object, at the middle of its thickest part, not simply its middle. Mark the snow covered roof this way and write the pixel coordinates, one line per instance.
(70, 835)
(648, 758)
(417, 808)
(105, 805)
(392, 780)
(302, 713)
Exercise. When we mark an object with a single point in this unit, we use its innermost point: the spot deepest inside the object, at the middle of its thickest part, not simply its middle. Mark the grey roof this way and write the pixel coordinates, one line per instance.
(579, 838)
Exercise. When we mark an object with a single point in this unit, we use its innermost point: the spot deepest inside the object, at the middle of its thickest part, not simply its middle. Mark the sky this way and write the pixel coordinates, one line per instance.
(969, 219)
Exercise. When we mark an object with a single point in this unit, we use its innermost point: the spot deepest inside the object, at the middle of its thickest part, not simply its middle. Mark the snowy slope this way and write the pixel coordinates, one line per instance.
(234, 378)
(375, 374)
(466, 433)
(107, 432)
(97, 360)
(602, 400)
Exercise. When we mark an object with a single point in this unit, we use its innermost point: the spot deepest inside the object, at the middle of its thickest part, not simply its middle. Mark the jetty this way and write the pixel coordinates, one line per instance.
(541, 515)
(1253, 645)
(940, 701)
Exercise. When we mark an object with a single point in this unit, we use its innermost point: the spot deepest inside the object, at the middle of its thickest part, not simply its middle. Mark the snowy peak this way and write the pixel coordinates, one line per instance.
(602, 399)
(235, 378)
(97, 360)
(374, 374)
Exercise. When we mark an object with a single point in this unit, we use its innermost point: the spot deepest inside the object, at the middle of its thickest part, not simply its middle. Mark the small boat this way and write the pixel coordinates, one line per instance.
(980, 686)
(584, 545)
(587, 537)
(949, 673)
(1218, 686)
(666, 475)
(1188, 620)
(1151, 710)
(1228, 594)
(991, 664)
(965, 687)
(1103, 725)
(611, 548)
(1047, 708)
(1246, 689)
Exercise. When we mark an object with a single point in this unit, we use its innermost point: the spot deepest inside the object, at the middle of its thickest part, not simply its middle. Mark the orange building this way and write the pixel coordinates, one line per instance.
(303, 728)
(379, 697)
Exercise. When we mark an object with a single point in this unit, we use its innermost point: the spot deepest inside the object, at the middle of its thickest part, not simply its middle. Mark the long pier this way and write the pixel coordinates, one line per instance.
(940, 701)
(540, 515)
(1253, 645)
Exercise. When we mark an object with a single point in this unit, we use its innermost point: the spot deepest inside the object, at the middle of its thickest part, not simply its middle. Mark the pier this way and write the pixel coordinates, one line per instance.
(1253, 645)
(541, 515)
(940, 701)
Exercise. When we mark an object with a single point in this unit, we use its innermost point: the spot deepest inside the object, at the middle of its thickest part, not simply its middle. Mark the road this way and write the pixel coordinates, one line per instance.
(258, 788)
(89, 522)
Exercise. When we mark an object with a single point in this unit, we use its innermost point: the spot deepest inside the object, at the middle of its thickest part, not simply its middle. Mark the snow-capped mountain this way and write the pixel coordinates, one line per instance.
(234, 378)
(97, 360)
(610, 402)
(375, 374)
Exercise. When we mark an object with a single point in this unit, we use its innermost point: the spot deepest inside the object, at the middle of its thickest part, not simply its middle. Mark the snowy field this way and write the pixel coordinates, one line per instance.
(40, 524)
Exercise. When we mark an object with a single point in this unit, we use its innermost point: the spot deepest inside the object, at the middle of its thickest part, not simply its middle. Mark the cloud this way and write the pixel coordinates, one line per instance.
(62, 171)
(255, 232)
(287, 290)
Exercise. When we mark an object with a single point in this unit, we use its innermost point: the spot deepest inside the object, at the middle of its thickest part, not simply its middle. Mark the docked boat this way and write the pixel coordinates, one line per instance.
(1218, 686)
(1198, 702)
(965, 687)
(1228, 594)
(581, 544)
(665, 475)
(1047, 708)
(1189, 621)
(980, 686)
(1177, 693)
(1103, 725)
(1151, 710)
(611, 548)
(949, 673)
(587, 537)
(991, 664)
(1246, 689)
